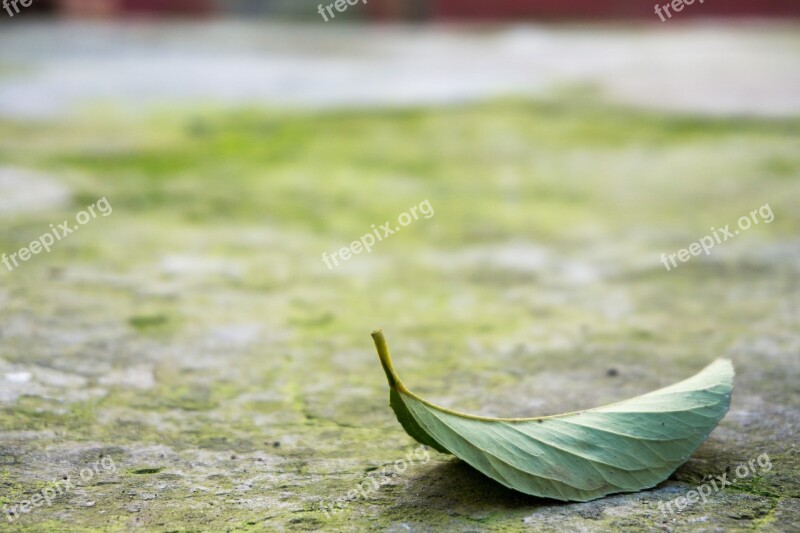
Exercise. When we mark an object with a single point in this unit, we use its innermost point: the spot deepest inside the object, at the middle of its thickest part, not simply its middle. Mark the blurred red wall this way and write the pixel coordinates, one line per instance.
(467, 10)
(114, 8)
(509, 10)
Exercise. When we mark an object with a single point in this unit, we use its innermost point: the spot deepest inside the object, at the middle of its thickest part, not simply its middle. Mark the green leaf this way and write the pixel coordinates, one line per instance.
(623, 447)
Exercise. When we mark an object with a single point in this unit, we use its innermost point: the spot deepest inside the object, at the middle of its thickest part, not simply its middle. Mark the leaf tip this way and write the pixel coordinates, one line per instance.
(724, 366)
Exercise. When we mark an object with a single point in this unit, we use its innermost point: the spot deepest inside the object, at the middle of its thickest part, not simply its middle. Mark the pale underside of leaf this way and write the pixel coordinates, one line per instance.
(623, 447)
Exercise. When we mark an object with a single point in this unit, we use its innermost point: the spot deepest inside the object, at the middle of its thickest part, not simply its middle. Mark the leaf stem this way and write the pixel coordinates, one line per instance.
(386, 359)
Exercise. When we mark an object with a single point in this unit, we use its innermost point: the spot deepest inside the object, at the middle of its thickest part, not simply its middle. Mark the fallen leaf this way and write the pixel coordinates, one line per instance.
(623, 447)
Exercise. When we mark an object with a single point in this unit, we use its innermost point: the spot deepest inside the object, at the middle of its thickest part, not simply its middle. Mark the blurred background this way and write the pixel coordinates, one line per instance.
(196, 336)
(418, 10)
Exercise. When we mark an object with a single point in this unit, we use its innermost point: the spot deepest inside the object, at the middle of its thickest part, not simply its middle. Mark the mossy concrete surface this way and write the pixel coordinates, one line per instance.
(195, 338)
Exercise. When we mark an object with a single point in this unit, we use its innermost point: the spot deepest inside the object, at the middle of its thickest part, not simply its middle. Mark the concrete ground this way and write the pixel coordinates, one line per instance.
(185, 361)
